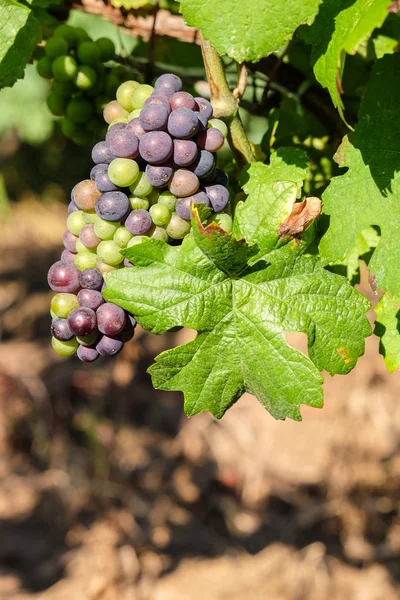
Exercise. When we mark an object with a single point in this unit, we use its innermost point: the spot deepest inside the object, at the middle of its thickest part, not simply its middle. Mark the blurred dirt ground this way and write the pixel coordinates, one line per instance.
(107, 491)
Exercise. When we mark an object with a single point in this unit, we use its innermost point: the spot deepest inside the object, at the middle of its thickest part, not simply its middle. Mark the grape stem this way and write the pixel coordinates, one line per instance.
(225, 104)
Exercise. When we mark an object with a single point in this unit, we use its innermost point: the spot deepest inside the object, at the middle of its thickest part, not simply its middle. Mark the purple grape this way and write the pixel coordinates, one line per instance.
(168, 84)
(153, 117)
(91, 279)
(185, 152)
(159, 175)
(112, 206)
(135, 127)
(61, 330)
(155, 147)
(127, 263)
(204, 107)
(210, 178)
(211, 139)
(111, 319)
(64, 277)
(218, 195)
(203, 165)
(87, 354)
(221, 178)
(127, 333)
(182, 100)
(113, 130)
(183, 205)
(99, 168)
(69, 241)
(109, 346)
(124, 144)
(104, 183)
(72, 207)
(90, 298)
(88, 237)
(132, 320)
(82, 321)
(138, 222)
(101, 153)
(158, 99)
(67, 256)
(183, 183)
(183, 123)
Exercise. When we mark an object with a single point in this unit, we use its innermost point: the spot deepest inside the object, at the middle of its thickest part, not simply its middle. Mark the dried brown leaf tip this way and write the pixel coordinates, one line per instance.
(302, 215)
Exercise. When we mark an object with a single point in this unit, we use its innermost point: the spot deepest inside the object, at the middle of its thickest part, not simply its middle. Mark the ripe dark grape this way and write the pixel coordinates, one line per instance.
(203, 165)
(182, 100)
(211, 139)
(113, 206)
(104, 183)
(90, 298)
(138, 222)
(67, 256)
(158, 99)
(155, 147)
(82, 321)
(135, 127)
(218, 195)
(221, 178)
(111, 319)
(109, 346)
(124, 144)
(91, 279)
(87, 354)
(159, 175)
(113, 130)
(168, 84)
(63, 277)
(61, 330)
(101, 153)
(185, 152)
(183, 183)
(183, 204)
(69, 241)
(204, 107)
(183, 123)
(99, 168)
(153, 117)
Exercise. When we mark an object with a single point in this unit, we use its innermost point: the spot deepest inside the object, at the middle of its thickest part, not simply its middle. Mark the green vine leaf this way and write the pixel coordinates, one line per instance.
(241, 322)
(19, 34)
(248, 30)
(369, 192)
(387, 327)
(338, 29)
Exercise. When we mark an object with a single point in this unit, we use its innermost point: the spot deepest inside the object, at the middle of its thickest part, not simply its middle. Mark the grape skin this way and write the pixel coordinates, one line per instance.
(219, 196)
(112, 206)
(113, 130)
(99, 168)
(155, 147)
(138, 222)
(183, 204)
(183, 183)
(86, 194)
(91, 279)
(61, 330)
(204, 107)
(87, 354)
(203, 165)
(67, 256)
(153, 117)
(90, 298)
(101, 153)
(168, 84)
(63, 277)
(211, 139)
(182, 100)
(111, 319)
(82, 321)
(185, 152)
(159, 175)
(124, 144)
(69, 241)
(104, 183)
(135, 127)
(109, 346)
(183, 123)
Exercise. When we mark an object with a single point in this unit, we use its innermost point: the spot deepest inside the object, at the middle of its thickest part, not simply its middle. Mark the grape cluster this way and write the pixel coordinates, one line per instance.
(153, 164)
(81, 83)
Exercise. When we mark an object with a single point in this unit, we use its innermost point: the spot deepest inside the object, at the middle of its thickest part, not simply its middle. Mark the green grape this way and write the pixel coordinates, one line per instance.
(88, 340)
(142, 186)
(137, 239)
(220, 125)
(53, 314)
(134, 114)
(64, 88)
(111, 84)
(90, 216)
(65, 348)
(104, 267)
(81, 35)
(85, 77)
(75, 222)
(153, 196)
(140, 95)
(88, 53)
(122, 237)
(105, 230)
(167, 199)
(100, 103)
(56, 46)
(68, 33)
(106, 47)
(223, 220)
(123, 171)
(69, 128)
(81, 248)
(177, 228)
(85, 260)
(44, 67)
(109, 252)
(79, 110)
(97, 87)
(62, 304)
(124, 94)
(82, 137)
(160, 215)
(57, 104)
(160, 234)
(64, 68)
(137, 203)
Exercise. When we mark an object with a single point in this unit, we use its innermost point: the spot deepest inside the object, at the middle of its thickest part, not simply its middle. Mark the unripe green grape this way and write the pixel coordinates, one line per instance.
(88, 53)
(220, 125)
(122, 237)
(90, 216)
(140, 95)
(105, 230)
(100, 103)
(81, 35)
(177, 228)
(64, 68)
(142, 186)
(98, 86)
(160, 234)
(111, 84)
(153, 196)
(223, 220)
(68, 33)
(88, 340)
(113, 110)
(167, 199)
(104, 267)
(79, 110)
(106, 47)
(62, 304)
(109, 252)
(44, 67)
(123, 171)
(124, 94)
(69, 128)
(134, 114)
(65, 348)
(137, 239)
(85, 77)
(160, 215)
(56, 46)
(76, 221)
(85, 260)
(53, 314)
(137, 203)
(57, 104)
(64, 88)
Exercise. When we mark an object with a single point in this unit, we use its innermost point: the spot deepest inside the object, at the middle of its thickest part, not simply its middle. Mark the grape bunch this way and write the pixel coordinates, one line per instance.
(157, 160)
(82, 84)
